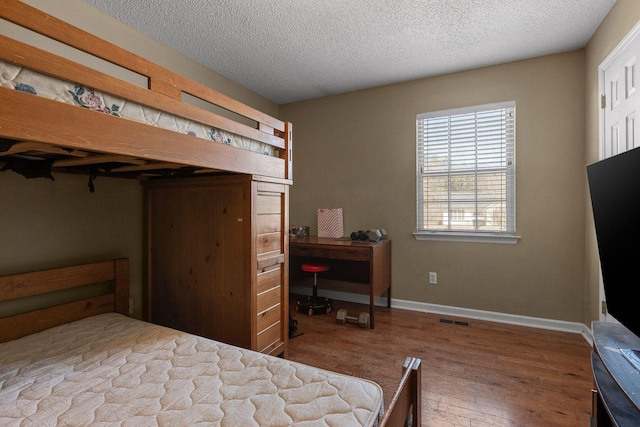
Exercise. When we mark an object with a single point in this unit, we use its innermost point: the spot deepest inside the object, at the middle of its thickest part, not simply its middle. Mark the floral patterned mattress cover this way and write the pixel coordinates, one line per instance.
(113, 370)
(25, 80)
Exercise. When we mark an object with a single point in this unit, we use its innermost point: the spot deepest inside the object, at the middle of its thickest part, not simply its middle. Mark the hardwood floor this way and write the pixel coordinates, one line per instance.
(480, 375)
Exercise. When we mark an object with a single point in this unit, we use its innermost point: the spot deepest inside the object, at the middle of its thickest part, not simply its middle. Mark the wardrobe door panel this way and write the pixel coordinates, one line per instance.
(197, 255)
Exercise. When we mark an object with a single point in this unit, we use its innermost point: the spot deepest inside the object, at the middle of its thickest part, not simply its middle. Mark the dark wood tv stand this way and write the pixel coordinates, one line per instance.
(616, 396)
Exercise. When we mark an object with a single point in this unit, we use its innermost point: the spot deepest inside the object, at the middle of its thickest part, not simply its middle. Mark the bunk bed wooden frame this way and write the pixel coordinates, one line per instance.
(37, 128)
(28, 125)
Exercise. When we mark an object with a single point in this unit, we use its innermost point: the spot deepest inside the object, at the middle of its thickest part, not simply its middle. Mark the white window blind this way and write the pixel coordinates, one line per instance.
(466, 170)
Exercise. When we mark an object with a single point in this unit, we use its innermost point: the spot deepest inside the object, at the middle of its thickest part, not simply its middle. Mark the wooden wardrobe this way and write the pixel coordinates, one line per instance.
(217, 258)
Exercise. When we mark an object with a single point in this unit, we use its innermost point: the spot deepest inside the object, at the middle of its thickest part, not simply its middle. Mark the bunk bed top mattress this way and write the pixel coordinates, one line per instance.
(114, 370)
(23, 79)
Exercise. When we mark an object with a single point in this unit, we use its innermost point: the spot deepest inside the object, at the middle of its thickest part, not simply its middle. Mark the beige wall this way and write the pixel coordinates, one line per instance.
(621, 19)
(45, 224)
(48, 224)
(357, 151)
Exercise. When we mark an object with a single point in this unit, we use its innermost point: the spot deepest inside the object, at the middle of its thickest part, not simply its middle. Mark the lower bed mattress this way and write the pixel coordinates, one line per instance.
(114, 370)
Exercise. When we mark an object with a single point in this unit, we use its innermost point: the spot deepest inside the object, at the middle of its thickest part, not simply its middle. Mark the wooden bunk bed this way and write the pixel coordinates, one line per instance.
(85, 129)
(123, 147)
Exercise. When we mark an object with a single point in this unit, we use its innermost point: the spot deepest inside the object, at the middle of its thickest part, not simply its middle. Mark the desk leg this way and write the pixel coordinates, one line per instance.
(372, 305)
(379, 276)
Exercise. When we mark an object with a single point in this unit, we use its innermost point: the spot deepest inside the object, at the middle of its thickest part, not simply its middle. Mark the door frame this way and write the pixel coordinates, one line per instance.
(613, 55)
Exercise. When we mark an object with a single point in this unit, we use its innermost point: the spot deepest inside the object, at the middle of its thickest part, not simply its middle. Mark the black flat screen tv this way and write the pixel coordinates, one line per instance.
(614, 184)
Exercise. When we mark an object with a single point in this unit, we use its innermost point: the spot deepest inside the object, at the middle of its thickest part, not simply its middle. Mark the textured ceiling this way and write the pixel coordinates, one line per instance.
(290, 50)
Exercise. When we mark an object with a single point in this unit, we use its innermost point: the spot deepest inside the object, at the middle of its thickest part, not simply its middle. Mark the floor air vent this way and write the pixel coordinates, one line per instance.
(454, 322)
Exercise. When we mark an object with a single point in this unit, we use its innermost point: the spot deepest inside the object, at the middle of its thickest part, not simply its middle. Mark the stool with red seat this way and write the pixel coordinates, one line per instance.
(314, 304)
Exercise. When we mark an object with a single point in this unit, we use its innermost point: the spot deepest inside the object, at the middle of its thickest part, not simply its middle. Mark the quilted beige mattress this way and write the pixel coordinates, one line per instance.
(113, 370)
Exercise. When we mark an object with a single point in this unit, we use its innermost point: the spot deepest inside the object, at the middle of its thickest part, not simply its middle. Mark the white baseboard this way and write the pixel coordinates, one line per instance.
(490, 316)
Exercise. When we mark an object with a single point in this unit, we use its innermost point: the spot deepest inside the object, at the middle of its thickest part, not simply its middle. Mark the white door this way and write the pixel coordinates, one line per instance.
(620, 122)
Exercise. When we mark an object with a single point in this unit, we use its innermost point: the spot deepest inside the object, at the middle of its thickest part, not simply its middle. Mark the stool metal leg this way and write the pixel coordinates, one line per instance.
(315, 286)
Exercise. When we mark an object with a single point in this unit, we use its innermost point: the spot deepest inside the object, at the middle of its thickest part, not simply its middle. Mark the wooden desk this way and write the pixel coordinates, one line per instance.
(350, 261)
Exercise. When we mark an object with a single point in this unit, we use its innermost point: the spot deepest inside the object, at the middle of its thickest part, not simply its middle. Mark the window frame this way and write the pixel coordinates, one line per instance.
(508, 236)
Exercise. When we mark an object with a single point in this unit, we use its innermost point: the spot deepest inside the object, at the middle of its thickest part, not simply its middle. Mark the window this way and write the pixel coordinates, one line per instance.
(466, 173)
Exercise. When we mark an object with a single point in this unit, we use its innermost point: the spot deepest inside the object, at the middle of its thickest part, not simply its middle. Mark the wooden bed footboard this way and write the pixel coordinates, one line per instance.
(42, 282)
(405, 407)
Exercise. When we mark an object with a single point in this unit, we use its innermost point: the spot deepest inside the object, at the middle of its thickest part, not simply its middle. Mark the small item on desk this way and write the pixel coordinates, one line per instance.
(299, 231)
(359, 235)
(373, 235)
(330, 223)
(377, 234)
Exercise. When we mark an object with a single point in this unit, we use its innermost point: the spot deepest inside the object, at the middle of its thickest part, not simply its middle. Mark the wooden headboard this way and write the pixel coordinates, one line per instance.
(24, 285)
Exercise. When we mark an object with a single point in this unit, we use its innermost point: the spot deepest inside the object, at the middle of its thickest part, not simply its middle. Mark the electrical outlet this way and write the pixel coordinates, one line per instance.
(433, 278)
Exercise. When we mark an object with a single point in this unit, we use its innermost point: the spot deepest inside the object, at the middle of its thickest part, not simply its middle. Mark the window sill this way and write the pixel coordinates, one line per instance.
(466, 237)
